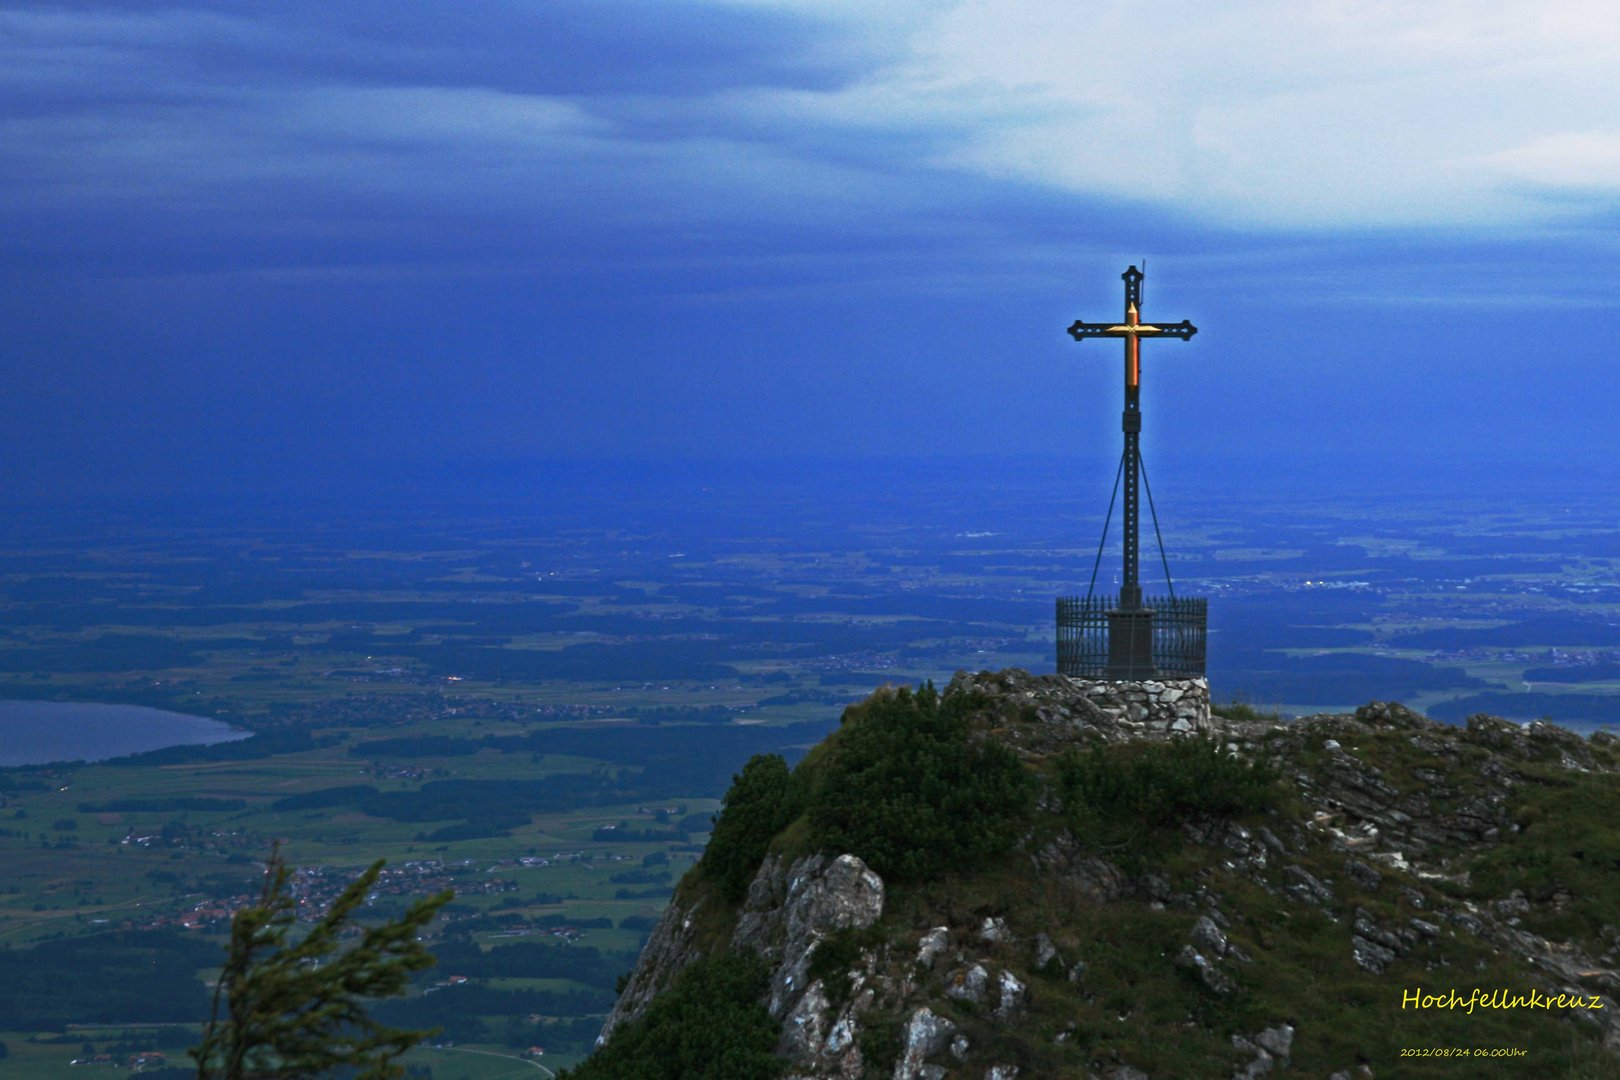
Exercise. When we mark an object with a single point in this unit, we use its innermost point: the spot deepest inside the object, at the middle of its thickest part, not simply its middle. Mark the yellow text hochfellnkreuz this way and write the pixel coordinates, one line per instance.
(1497, 999)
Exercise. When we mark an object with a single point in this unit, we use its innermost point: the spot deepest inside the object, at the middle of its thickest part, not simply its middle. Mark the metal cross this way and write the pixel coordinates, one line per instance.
(1133, 330)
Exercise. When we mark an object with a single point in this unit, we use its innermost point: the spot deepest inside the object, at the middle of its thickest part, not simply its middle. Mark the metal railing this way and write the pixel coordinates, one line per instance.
(1180, 634)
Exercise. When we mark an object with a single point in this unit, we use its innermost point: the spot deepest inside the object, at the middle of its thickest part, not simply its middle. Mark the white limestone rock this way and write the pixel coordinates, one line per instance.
(1045, 951)
(968, 984)
(932, 944)
(924, 1036)
(994, 930)
(1207, 937)
(1010, 994)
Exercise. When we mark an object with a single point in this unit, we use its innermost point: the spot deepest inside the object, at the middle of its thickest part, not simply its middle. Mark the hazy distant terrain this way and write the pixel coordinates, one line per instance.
(772, 597)
(536, 699)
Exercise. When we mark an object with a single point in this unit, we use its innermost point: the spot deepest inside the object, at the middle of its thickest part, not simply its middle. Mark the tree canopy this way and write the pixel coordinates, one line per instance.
(709, 1025)
(759, 804)
(907, 786)
(285, 1008)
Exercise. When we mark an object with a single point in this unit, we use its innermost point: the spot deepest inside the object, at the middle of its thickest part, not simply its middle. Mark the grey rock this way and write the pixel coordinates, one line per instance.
(924, 1036)
(1369, 955)
(1126, 1072)
(667, 953)
(1238, 839)
(1010, 994)
(1052, 711)
(804, 1028)
(1278, 1040)
(959, 1048)
(842, 1036)
(1001, 1072)
(821, 896)
(1258, 1066)
(788, 910)
(1391, 714)
(931, 944)
(842, 894)
(1363, 874)
(1306, 887)
(1370, 930)
(967, 984)
(1207, 937)
(1213, 978)
(1045, 951)
(1513, 904)
(1065, 859)
(994, 930)
(1157, 886)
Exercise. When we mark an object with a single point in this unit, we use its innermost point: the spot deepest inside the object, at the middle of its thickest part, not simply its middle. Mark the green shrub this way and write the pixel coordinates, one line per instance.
(1138, 786)
(836, 955)
(709, 1025)
(880, 1040)
(905, 786)
(759, 804)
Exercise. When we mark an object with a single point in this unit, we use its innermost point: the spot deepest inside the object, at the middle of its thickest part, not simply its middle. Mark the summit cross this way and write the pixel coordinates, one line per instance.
(1131, 634)
(1132, 330)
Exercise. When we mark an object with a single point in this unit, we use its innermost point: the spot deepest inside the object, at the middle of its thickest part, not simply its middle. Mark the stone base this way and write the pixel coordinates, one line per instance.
(1158, 705)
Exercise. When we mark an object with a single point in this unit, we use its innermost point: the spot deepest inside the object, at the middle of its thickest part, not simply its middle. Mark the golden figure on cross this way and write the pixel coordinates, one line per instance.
(1132, 329)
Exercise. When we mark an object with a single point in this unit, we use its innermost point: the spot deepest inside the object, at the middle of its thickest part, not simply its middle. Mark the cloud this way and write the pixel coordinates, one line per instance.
(529, 123)
(626, 121)
(1574, 162)
(1276, 113)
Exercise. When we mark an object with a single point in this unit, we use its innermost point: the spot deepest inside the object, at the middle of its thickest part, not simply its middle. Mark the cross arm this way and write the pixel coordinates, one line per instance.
(1184, 330)
(1082, 330)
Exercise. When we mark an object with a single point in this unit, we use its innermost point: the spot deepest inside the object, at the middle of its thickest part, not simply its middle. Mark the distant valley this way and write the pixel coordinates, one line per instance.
(539, 700)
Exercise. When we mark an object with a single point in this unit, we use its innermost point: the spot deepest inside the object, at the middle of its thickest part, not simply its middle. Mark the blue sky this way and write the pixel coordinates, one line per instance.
(250, 243)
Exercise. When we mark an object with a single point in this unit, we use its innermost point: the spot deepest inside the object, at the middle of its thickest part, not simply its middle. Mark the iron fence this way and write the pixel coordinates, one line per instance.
(1180, 632)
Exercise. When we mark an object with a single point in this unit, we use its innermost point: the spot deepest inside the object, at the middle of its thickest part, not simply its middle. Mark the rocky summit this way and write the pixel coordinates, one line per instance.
(1008, 880)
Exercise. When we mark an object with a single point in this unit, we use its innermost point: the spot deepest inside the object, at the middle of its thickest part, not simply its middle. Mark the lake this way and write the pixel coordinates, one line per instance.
(37, 732)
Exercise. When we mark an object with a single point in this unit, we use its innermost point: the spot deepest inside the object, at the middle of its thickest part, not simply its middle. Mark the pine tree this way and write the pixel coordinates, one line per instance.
(759, 804)
(294, 1009)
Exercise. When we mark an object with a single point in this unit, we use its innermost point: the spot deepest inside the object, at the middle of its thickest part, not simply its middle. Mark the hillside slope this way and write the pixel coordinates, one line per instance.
(1001, 882)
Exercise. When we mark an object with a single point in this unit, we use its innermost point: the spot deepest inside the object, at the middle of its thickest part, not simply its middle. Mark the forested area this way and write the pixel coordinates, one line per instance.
(148, 976)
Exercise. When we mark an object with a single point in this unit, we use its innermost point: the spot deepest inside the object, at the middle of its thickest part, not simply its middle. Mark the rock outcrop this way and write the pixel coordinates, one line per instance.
(1014, 969)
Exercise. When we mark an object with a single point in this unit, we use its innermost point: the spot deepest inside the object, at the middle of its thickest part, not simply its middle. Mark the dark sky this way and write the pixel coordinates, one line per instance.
(246, 244)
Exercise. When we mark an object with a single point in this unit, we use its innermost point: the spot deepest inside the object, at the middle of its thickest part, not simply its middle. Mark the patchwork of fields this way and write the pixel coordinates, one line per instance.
(538, 705)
